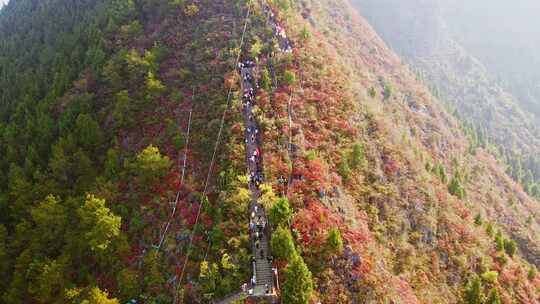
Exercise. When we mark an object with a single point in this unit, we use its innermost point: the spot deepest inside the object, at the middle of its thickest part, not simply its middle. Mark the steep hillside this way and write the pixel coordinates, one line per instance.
(426, 35)
(413, 120)
(125, 174)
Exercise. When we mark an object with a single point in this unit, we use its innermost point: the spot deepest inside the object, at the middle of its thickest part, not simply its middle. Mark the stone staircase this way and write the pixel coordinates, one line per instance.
(265, 287)
(264, 274)
(263, 267)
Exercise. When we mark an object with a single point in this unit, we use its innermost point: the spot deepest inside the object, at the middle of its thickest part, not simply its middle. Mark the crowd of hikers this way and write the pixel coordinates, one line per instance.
(256, 176)
(260, 284)
(258, 222)
(258, 225)
(279, 32)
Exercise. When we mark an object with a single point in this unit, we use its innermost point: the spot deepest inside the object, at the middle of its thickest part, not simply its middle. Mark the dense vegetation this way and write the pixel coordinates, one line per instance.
(81, 184)
(369, 200)
(397, 112)
(52, 147)
(454, 50)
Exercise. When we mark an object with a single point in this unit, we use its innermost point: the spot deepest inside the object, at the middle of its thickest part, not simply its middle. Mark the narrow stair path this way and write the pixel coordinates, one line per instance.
(262, 282)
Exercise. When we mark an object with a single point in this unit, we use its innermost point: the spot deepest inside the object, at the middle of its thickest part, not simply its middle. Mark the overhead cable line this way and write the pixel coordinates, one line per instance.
(173, 213)
(210, 169)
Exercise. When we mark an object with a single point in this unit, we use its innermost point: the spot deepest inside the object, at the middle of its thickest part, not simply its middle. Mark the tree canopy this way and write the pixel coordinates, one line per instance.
(298, 287)
(280, 212)
(282, 244)
(99, 222)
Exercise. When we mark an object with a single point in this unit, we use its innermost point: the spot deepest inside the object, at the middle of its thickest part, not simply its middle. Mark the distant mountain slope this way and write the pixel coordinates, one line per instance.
(504, 36)
(423, 33)
(500, 34)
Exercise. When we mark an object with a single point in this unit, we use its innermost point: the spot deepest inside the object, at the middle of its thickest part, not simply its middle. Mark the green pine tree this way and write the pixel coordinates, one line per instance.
(97, 296)
(473, 291)
(441, 172)
(357, 156)
(343, 167)
(298, 287)
(387, 93)
(499, 241)
(266, 80)
(489, 229)
(4, 258)
(280, 212)
(289, 77)
(100, 226)
(532, 273)
(150, 165)
(510, 247)
(478, 219)
(493, 297)
(334, 241)
(455, 188)
(282, 244)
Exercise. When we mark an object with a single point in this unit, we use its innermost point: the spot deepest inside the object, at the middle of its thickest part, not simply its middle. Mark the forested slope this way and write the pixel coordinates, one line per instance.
(85, 190)
(374, 192)
(472, 71)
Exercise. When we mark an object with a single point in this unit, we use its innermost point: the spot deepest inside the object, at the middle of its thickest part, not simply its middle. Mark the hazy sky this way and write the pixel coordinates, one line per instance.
(2, 2)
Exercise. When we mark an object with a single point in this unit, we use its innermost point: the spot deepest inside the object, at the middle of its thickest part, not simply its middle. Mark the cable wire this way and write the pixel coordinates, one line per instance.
(216, 146)
(173, 213)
